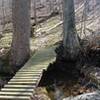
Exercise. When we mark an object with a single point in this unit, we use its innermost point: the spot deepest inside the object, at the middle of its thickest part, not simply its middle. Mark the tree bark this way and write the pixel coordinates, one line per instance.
(70, 39)
(20, 49)
(35, 12)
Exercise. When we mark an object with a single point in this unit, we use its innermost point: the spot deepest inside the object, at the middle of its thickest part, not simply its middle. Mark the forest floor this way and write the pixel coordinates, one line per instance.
(44, 38)
(60, 89)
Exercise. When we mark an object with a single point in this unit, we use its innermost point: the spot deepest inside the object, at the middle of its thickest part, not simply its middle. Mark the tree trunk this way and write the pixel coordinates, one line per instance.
(35, 12)
(50, 6)
(3, 16)
(70, 41)
(20, 49)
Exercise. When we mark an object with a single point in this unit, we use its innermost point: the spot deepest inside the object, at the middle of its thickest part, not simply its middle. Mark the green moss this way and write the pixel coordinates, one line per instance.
(6, 40)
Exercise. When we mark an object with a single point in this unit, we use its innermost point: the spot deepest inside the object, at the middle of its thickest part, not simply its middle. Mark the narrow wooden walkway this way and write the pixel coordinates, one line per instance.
(23, 84)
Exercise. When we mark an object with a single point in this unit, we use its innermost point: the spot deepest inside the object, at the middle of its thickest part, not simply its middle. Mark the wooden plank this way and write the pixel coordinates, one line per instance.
(34, 68)
(34, 65)
(30, 72)
(29, 75)
(26, 77)
(23, 83)
(23, 80)
(17, 90)
(40, 70)
(16, 93)
(31, 68)
(18, 86)
(14, 97)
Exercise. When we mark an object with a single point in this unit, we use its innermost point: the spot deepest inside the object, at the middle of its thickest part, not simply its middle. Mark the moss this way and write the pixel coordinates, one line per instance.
(5, 41)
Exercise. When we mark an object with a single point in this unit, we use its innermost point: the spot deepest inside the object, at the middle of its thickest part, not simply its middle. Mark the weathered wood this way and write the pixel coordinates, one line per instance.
(17, 90)
(30, 70)
(23, 84)
(23, 80)
(19, 86)
(34, 74)
(37, 68)
(16, 93)
(37, 72)
(15, 97)
(26, 77)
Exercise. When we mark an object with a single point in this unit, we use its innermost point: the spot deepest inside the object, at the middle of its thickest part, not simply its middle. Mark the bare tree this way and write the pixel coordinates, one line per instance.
(20, 49)
(50, 6)
(70, 41)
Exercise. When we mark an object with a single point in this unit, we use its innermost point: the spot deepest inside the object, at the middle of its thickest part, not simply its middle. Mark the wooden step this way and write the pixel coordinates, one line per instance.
(26, 77)
(37, 72)
(18, 86)
(38, 64)
(14, 97)
(17, 90)
(36, 68)
(27, 74)
(40, 70)
(22, 86)
(23, 83)
(23, 80)
(16, 93)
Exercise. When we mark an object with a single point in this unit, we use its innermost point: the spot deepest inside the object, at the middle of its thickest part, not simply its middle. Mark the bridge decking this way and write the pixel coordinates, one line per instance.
(22, 85)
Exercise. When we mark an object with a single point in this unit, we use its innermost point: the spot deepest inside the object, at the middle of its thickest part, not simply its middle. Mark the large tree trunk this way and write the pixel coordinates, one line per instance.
(20, 49)
(70, 41)
(35, 12)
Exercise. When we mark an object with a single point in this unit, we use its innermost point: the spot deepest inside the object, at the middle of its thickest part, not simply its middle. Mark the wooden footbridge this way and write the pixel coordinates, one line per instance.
(22, 85)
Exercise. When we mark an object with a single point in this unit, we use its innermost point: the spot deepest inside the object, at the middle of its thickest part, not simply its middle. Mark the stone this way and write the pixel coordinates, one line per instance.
(86, 96)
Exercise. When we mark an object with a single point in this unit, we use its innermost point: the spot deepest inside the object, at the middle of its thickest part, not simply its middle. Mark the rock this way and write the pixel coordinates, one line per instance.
(41, 94)
(41, 97)
(87, 96)
(58, 95)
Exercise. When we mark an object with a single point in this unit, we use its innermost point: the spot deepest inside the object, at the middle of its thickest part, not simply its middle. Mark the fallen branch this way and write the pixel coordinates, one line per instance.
(42, 30)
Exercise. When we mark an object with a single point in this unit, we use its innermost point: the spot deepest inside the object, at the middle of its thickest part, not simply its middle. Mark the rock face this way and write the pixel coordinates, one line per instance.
(87, 96)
